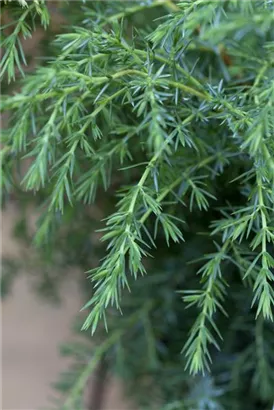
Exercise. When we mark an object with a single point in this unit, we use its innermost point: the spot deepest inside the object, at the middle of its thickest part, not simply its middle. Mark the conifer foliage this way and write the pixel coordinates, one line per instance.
(164, 113)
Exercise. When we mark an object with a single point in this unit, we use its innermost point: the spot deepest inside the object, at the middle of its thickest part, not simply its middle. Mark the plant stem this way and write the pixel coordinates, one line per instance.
(99, 353)
(189, 90)
(91, 366)
(133, 10)
(263, 217)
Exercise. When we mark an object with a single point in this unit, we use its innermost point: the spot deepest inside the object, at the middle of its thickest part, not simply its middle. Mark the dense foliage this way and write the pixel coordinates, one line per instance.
(162, 116)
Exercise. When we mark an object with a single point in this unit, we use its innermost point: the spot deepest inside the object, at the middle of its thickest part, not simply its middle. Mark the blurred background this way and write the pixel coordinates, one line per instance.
(33, 329)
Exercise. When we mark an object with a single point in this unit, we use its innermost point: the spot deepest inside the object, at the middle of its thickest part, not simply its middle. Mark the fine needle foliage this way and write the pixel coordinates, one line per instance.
(161, 115)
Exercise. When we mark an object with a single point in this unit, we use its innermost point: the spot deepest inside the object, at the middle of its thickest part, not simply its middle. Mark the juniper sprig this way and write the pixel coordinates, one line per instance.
(169, 119)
